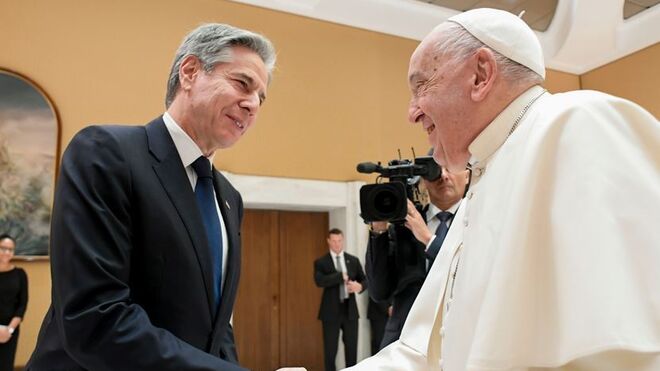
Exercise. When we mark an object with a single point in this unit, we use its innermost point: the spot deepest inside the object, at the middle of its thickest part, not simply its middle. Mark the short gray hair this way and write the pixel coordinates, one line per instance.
(459, 44)
(211, 43)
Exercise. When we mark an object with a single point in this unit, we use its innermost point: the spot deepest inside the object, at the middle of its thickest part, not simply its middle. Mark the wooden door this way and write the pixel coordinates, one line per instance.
(275, 317)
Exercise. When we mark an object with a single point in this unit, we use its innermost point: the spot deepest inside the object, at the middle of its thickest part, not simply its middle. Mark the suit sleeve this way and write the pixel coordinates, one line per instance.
(359, 276)
(380, 267)
(22, 295)
(326, 279)
(91, 248)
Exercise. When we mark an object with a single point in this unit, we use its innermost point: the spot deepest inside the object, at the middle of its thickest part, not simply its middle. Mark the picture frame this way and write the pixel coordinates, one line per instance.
(29, 149)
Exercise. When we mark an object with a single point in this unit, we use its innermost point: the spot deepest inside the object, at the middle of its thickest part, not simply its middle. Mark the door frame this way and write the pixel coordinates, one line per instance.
(341, 200)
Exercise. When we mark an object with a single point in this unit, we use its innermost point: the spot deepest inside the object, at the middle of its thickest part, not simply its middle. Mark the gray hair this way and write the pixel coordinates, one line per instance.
(459, 44)
(212, 43)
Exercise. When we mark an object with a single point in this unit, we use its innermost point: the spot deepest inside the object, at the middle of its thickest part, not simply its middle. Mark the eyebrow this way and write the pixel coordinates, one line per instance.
(251, 82)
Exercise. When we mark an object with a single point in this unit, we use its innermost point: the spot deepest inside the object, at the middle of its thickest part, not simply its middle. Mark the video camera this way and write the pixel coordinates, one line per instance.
(388, 201)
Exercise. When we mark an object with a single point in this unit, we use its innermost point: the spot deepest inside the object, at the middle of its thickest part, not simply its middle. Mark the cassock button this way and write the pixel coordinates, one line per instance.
(442, 331)
(465, 222)
(470, 195)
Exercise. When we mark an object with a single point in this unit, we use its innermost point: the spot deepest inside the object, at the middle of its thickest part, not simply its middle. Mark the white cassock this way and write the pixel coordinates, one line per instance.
(553, 260)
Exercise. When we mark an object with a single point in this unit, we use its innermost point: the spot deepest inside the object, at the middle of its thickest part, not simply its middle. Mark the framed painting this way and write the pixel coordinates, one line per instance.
(29, 138)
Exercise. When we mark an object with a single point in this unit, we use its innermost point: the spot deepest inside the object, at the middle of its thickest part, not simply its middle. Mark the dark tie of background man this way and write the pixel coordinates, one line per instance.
(205, 195)
(440, 234)
(343, 295)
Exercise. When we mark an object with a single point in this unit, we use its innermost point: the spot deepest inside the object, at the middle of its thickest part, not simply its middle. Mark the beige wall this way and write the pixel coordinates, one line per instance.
(635, 77)
(339, 94)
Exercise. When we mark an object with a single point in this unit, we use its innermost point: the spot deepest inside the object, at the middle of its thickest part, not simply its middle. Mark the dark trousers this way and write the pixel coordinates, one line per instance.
(377, 332)
(401, 306)
(349, 330)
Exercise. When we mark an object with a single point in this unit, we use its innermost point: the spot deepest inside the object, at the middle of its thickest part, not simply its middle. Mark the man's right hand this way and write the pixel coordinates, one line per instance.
(417, 225)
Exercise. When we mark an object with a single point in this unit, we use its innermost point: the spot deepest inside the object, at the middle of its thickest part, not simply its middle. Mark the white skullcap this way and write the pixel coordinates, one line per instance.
(506, 34)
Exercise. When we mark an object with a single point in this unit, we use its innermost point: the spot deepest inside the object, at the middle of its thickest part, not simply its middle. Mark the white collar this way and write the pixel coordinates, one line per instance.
(434, 210)
(334, 256)
(494, 135)
(188, 150)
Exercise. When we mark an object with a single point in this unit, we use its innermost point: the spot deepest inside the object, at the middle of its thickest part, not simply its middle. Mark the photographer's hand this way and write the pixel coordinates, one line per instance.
(379, 227)
(416, 224)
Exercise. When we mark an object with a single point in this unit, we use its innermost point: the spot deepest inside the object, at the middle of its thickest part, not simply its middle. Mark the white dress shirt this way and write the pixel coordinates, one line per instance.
(189, 152)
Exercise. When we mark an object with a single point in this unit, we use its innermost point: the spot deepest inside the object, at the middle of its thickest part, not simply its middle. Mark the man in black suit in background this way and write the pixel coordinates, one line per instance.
(341, 277)
(397, 262)
(145, 241)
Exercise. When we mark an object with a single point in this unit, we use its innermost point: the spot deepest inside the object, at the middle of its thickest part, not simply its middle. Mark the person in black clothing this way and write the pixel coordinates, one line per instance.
(377, 313)
(397, 261)
(341, 276)
(13, 301)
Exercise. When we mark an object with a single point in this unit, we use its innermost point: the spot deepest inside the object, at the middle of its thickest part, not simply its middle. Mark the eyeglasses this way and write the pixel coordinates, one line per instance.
(7, 250)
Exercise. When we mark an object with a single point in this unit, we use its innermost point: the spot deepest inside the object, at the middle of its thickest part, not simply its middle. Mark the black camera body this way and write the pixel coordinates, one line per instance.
(388, 201)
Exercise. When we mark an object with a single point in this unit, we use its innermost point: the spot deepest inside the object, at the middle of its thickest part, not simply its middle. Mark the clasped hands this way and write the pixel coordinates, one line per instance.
(351, 286)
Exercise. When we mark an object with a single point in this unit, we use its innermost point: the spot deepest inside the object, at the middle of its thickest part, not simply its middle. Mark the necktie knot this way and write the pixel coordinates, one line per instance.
(444, 216)
(202, 167)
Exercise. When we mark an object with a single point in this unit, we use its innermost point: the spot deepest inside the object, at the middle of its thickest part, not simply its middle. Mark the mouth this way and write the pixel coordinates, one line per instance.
(237, 122)
(429, 129)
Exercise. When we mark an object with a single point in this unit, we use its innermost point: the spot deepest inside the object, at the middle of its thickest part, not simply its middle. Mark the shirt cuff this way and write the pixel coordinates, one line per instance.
(430, 242)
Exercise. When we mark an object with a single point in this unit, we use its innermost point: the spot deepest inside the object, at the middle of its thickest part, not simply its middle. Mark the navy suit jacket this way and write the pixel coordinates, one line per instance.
(130, 260)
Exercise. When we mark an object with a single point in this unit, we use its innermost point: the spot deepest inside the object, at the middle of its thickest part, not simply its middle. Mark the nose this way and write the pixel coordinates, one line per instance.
(251, 104)
(414, 112)
(445, 174)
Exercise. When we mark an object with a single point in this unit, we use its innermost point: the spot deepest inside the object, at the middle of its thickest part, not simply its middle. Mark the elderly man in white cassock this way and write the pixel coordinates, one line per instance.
(553, 261)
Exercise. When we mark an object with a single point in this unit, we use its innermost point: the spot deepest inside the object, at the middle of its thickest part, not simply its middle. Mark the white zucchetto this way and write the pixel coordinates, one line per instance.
(506, 34)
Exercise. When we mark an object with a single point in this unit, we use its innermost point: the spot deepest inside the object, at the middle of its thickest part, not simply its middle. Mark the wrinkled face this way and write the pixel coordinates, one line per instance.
(440, 103)
(226, 100)
(7, 249)
(336, 243)
(448, 189)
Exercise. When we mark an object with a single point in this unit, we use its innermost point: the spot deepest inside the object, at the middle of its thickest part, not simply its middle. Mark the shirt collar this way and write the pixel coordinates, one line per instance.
(188, 150)
(494, 135)
(334, 256)
(434, 210)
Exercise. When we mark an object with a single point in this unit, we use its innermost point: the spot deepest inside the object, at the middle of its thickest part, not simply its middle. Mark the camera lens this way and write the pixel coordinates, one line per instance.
(383, 202)
(386, 202)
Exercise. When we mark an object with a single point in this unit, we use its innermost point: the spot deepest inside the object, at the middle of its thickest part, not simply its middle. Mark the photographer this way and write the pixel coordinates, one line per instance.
(397, 261)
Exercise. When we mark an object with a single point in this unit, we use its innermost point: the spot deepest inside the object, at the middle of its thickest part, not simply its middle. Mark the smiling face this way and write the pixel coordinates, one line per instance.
(217, 107)
(441, 103)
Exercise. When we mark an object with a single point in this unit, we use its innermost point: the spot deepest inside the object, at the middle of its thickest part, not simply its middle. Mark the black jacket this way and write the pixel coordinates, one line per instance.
(326, 276)
(130, 263)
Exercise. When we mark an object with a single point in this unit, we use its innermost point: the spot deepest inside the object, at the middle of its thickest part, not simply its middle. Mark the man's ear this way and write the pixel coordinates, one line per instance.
(189, 68)
(485, 73)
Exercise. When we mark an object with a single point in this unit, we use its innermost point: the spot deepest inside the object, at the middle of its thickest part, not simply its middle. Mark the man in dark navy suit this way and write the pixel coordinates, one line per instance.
(341, 276)
(145, 243)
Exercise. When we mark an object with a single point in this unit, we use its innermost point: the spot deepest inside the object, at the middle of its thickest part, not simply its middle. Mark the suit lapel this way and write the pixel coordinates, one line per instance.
(174, 180)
